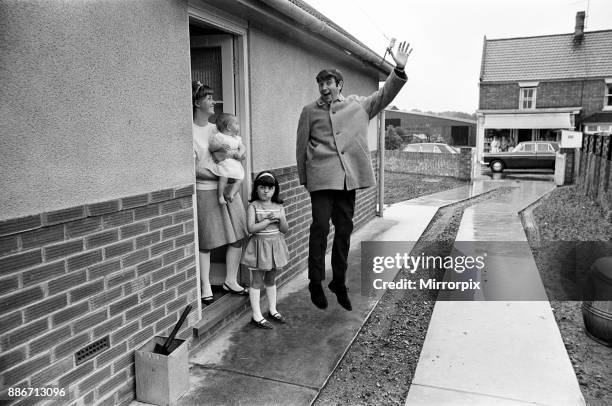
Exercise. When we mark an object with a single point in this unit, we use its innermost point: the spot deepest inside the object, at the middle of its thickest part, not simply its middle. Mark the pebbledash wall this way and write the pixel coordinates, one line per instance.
(455, 165)
(594, 162)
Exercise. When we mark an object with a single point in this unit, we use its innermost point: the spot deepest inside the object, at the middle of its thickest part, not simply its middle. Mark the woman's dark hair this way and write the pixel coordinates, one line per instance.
(199, 91)
(266, 179)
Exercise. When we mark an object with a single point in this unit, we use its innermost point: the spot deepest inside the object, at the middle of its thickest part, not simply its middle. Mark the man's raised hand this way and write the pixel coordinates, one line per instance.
(401, 57)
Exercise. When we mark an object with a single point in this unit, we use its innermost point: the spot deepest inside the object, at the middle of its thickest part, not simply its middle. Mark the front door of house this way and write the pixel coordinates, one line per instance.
(212, 63)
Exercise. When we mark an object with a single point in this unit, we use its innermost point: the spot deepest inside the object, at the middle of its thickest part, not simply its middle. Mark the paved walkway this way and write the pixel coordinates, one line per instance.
(505, 351)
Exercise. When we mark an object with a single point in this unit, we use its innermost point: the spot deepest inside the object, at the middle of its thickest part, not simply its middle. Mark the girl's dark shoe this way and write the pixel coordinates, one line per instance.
(277, 317)
(263, 323)
(341, 293)
(317, 295)
(208, 300)
(242, 292)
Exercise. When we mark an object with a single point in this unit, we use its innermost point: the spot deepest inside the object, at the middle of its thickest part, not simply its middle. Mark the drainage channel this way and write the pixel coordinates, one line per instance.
(379, 366)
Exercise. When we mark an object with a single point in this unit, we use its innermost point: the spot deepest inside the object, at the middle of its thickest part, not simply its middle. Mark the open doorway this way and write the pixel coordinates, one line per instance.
(218, 56)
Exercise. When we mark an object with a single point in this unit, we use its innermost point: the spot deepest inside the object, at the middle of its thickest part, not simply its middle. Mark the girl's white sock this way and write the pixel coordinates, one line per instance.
(254, 295)
(271, 294)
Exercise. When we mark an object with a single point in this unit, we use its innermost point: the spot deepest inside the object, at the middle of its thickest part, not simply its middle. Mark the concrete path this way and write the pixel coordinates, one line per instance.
(502, 351)
(290, 364)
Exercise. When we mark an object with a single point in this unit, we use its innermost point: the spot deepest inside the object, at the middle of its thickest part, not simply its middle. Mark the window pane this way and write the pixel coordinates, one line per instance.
(427, 148)
(543, 147)
(528, 148)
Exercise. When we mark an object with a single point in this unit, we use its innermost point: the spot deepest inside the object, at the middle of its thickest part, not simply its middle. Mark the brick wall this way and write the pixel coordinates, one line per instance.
(499, 96)
(298, 210)
(594, 166)
(455, 165)
(588, 93)
(124, 268)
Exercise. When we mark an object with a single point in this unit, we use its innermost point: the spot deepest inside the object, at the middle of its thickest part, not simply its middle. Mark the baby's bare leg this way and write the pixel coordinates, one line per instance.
(221, 188)
(235, 188)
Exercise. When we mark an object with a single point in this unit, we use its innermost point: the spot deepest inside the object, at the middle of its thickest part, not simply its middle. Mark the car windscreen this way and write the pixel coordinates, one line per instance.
(428, 148)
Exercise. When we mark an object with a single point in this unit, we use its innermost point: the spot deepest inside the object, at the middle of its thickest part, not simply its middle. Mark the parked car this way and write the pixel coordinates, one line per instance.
(526, 155)
(435, 147)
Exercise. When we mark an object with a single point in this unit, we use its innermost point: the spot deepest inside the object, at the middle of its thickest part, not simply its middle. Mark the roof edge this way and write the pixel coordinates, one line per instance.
(571, 34)
(310, 23)
(482, 60)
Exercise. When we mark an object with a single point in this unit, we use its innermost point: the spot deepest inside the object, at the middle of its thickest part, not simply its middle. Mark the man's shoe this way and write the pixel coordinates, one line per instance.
(317, 295)
(341, 293)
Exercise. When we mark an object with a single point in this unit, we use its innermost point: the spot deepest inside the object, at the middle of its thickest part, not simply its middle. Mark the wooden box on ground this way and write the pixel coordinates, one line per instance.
(162, 379)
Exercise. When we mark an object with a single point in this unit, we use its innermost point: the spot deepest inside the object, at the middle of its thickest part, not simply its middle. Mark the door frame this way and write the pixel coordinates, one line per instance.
(238, 28)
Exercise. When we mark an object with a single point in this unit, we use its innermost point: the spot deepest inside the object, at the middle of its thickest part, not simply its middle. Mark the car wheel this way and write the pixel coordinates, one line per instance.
(497, 166)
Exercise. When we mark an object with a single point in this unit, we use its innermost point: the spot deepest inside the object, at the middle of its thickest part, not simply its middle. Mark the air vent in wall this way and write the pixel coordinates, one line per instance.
(92, 350)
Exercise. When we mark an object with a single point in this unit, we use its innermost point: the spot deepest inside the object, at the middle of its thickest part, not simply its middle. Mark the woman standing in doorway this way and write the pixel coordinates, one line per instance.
(218, 224)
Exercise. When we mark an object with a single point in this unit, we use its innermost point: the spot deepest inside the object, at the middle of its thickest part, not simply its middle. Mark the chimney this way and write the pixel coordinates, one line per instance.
(579, 30)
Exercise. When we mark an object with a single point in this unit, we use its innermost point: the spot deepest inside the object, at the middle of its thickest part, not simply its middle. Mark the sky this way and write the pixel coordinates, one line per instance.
(447, 38)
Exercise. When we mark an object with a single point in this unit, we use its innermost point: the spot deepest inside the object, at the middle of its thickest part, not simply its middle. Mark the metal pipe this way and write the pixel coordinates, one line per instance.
(381, 163)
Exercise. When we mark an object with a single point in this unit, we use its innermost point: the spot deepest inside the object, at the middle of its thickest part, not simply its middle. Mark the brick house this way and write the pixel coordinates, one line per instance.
(530, 87)
(97, 238)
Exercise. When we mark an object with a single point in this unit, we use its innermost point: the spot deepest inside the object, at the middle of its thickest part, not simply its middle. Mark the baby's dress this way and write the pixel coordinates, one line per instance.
(266, 249)
(228, 167)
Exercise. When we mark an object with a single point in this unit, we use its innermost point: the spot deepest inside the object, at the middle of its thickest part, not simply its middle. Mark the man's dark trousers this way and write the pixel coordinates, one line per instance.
(339, 206)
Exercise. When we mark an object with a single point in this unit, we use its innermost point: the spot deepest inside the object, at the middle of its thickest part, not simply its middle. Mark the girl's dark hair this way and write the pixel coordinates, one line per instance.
(266, 179)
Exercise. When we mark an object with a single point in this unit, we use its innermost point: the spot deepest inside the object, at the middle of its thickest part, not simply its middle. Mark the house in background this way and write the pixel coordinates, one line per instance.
(98, 248)
(437, 128)
(531, 87)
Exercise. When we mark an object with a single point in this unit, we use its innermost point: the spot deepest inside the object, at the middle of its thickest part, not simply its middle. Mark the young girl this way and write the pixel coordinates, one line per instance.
(227, 150)
(266, 250)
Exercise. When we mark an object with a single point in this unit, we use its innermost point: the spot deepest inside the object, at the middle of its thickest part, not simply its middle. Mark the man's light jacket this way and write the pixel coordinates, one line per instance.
(332, 140)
